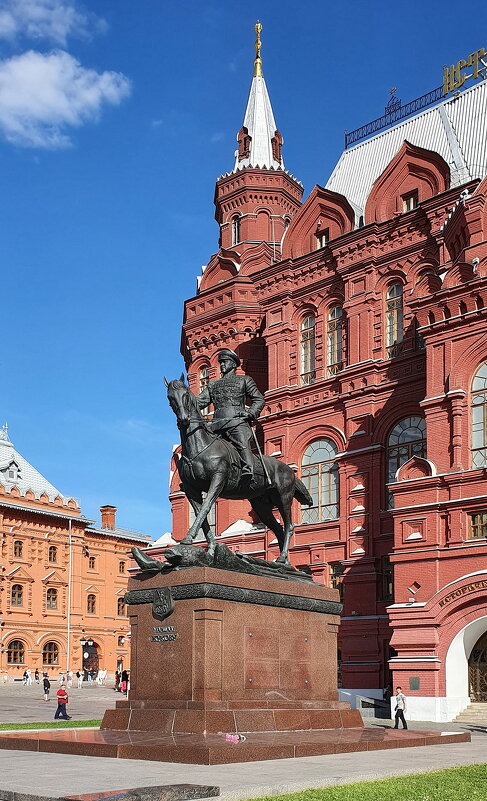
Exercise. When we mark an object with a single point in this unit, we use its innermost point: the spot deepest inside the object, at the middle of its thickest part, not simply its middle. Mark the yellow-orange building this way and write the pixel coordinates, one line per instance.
(62, 578)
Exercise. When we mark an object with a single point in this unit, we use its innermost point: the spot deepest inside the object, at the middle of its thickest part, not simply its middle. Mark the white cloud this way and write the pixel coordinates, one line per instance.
(43, 94)
(54, 20)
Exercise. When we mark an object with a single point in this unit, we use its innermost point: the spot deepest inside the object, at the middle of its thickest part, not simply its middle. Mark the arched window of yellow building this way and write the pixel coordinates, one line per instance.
(120, 606)
(91, 604)
(51, 598)
(50, 654)
(52, 553)
(18, 549)
(17, 595)
(15, 652)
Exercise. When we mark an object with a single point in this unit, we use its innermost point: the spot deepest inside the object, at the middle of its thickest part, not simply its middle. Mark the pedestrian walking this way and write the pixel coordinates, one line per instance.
(70, 678)
(117, 681)
(79, 678)
(400, 708)
(36, 676)
(29, 677)
(124, 681)
(47, 686)
(24, 677)
(62, 700)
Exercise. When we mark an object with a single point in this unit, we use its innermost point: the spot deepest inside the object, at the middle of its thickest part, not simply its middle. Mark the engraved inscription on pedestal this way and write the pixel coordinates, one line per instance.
(164, 634)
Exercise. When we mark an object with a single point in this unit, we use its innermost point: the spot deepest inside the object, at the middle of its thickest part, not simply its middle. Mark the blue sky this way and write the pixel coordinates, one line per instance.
(116, 118)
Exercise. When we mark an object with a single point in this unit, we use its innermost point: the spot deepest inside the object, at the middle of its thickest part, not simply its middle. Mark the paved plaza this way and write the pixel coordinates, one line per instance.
(61, 774)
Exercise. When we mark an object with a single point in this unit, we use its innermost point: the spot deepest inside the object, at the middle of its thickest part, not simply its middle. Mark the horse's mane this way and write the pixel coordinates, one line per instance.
(177, 384)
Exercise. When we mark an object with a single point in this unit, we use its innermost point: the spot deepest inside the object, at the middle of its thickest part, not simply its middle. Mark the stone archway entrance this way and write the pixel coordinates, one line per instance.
(477, 670)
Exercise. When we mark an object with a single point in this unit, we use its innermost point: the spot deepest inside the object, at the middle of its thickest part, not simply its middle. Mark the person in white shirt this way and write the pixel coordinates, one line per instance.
(400, 708)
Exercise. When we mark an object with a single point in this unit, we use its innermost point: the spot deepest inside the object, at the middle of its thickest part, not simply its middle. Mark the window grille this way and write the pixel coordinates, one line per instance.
(16, 652)
(308, 350)
(319, 473)
(335, 340)
(394, 320)
(407, 439)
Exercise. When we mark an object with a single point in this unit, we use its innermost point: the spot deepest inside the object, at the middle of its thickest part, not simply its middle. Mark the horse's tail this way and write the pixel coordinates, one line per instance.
(301, 493)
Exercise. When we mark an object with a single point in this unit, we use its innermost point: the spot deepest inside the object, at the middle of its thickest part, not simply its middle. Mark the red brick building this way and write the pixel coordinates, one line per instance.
(361, 313)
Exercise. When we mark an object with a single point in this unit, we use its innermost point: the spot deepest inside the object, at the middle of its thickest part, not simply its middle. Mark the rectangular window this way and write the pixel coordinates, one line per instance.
(410, 201)
(337, 572)
(477, 529)
(322, 238)
(386, 580)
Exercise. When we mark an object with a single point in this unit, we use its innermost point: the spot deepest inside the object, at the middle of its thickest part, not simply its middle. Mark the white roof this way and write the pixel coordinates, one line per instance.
(261, 125)
(26, 476)
(456, 128)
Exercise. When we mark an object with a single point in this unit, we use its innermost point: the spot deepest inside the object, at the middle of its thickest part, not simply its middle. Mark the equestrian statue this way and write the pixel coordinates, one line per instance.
(217, 462)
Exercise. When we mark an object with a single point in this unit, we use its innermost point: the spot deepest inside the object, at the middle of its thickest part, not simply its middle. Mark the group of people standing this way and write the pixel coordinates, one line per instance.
(122, 681)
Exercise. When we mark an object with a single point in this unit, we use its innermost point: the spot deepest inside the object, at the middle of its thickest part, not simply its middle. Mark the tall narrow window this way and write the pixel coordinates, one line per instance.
(91, 562)
(235, 229)
(51, 598)
(407, 439)
(308, 349)
(17, 595)
(337, 571)
(335, 340)
(410, 201)
(394, 320)
(52, 553)
(18, 549)
(386, 588)
(120, 606)
(121, 567)
(319, 473)
(91, 604)
(204, 381)
(322, 238)
(16, 652)
(479, 417)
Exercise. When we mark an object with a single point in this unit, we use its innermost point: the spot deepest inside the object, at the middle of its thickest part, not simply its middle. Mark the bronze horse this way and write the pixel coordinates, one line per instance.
(211, 465)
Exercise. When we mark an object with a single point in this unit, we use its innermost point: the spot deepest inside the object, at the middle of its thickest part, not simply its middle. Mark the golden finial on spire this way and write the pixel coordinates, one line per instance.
(258, 45)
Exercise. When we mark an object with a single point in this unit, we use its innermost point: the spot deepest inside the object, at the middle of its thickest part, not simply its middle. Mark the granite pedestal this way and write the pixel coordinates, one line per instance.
(216, 652)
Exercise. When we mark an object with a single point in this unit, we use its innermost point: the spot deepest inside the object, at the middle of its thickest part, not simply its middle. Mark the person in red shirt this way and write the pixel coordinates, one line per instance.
(62, 700)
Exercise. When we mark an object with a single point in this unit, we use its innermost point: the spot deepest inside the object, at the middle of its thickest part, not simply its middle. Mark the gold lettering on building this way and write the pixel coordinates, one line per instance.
(454, 77)
(475, 585)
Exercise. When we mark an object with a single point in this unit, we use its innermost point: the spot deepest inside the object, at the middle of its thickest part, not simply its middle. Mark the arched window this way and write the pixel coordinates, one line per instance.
(50, 654)
(394, 319)
(121, 567)
(235, 229)
(18, 549)
(17, 595)
(479, 417)
(15, 652)
(91, 604)
(308, 349)
(120, 606)
(319, 473)
(407, 439)
(334, 340)
(51, 598)
(121, 641)
(91, 562)
(52, 553)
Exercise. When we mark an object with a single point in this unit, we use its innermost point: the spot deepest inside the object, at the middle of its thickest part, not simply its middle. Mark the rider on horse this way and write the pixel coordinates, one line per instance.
(231, 418)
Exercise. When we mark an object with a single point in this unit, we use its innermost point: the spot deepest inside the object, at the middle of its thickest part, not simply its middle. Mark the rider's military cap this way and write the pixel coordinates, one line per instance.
(226, 353)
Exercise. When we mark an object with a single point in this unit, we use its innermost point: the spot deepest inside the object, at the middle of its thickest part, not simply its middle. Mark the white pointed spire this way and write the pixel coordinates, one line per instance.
(259, 140)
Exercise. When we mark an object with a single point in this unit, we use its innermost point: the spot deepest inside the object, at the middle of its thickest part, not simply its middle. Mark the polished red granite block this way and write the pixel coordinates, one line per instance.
(212, 749)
